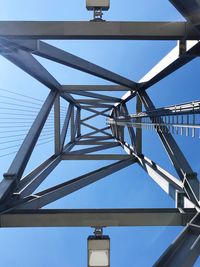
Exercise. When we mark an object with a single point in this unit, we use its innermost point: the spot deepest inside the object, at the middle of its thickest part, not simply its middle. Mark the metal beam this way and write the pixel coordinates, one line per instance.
(95, 95)
(185, 250)
(89, 135)
(62, 57)
(116, 131)
(92, 142)
(31, 182)
(97, 138)
(93, 88)
(29, 177)
(187, 108)
(96, 101)
(52, 194)
(190, 9)
(95, 217)
(178, 159)
(96, 114)
(182, 166)
(113, 127)
(22, 157)
(79, 122)
(95, 157)
(169, 126)
(72, 120)
(95, 148)
(70, 145)
(169, 64)
(138, 130)
(130, 129)
(83, 30)
(36, 180)
(95, 106)
(65, 126)
(122, 129)
(165, 180)
(76, 122)
(170, 184)
(30, 65)
(57, 125)
(95, 128)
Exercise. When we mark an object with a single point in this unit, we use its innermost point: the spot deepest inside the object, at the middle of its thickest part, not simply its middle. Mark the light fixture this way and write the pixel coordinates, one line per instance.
(98, 249)
(98, 6)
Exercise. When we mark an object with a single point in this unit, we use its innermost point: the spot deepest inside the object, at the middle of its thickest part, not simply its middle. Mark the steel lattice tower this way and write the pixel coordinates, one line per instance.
(19, 41)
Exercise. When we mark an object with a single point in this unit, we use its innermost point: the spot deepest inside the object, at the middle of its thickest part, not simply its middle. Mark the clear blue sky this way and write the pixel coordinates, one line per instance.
(129, 188)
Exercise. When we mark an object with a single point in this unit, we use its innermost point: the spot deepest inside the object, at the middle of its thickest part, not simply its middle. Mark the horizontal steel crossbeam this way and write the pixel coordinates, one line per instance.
(74, 88)
(94, 157)
(92, 218)
(97, 30)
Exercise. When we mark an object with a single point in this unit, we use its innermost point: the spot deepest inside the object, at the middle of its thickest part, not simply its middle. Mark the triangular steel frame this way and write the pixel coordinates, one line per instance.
(19, 206)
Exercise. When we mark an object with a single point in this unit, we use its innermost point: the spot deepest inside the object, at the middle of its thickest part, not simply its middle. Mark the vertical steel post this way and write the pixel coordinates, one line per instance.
(72, 125)
(65, 126)
(138, 129)
(57, 125)
(120, 129)
(79, 122)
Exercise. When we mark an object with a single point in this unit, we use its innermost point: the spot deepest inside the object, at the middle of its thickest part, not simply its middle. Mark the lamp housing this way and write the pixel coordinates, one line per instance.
(98, 251)
(97, 4)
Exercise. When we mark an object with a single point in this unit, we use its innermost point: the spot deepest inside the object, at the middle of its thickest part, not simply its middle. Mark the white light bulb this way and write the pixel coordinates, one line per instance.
(98, 258)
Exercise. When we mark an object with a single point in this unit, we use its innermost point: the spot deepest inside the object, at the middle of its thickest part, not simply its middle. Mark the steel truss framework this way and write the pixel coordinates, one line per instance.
(21, 207)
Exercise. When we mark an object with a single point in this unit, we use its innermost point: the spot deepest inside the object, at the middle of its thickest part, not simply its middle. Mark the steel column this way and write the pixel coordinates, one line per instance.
(57, 125)
(130, 129)
(138, 130)
(65, 126)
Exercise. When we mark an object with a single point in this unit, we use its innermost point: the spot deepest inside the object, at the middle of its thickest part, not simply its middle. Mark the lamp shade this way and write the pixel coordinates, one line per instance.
(103, 4)
(98, 251)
